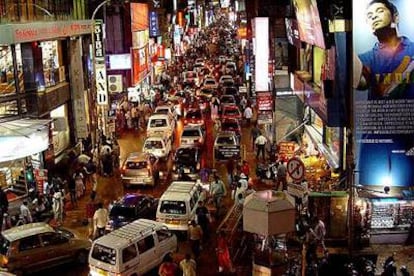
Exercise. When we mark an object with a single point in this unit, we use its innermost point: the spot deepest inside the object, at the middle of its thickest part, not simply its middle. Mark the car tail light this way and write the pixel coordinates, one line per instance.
(4, 261)
(200, 140)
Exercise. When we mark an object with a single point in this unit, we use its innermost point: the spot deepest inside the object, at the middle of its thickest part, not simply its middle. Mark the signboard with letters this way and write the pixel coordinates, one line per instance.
(101, 87)
(264, 101)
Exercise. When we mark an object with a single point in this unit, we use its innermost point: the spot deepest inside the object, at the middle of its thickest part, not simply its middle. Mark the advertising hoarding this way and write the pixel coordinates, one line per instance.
(261, 34)
(384, 92)
(139, 17)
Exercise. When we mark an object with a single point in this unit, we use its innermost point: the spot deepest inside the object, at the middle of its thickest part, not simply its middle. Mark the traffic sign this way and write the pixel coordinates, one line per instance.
(296, 168)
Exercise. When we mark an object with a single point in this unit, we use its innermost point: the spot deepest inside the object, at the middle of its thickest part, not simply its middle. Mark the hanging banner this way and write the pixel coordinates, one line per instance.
(384, 92)
(154, 29)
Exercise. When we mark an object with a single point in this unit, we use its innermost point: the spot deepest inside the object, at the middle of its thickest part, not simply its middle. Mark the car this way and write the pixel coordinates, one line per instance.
(231, 90)
(198, 66)
(222, 59)
(231, 67)
(230, 111)
(190, 78)
(36, 246)
(206, 92)
(227, 99)
(231, 125)
(226, 80)
(187, 161)
(226, 146)
(192, 136)
(137, 170)
(194, 116)
(158, 145)
(166, 109)
(130, 207)
(210, 82)
(161, 124)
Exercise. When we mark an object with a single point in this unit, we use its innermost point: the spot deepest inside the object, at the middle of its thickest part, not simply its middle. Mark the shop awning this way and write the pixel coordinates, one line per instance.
(23, 137)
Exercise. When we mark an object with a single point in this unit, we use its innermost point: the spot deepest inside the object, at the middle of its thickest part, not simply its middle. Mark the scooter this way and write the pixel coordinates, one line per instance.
(267, 171)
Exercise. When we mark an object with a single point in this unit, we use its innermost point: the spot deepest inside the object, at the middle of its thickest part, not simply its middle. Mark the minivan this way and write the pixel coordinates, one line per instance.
(131, 250)
(177, 205)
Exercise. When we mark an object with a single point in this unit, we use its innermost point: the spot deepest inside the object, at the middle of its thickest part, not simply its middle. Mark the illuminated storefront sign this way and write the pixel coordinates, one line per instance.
(154, 28)
(139, 17)
(36, 31)
(101, 87)
(261, 34)
(384, 93)
(99, 44)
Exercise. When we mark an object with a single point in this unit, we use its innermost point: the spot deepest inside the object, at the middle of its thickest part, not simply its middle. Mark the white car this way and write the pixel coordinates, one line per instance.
(161, 124)
(166, 109)
(231, 67)
(157, 145)
(192, 136)
(191, 78)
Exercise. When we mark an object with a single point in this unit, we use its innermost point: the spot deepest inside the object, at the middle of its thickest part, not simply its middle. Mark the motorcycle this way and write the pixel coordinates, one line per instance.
(267, 171)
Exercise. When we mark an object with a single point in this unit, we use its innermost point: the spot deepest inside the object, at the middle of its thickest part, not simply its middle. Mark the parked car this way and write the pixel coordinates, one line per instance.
(226, 146)
(230, 111)
(137, 170)
(187, 161)
(37, 246)
(192, 135)
(194, 116)
(129, 208)
(158, 145)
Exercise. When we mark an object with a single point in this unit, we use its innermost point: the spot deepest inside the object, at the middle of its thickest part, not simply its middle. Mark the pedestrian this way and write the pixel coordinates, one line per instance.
(260, 143)
(4, 207)
(230, 166)
(218, 191)
(168, 267)
(242, 186)
(25, 214)
(195, 236)
(243, 103)
(223, 254)
(90, 211)
(248, 115)
(57, 207)
(245, 168)
(281, 176)
(254, 133)
(79, 184)
(72, 192)
(188, 266)
(134, 116)
(100, 219)
(203, 219)
(320, 232)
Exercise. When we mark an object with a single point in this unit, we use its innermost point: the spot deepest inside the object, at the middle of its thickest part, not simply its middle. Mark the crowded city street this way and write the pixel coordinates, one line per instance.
(202, 166)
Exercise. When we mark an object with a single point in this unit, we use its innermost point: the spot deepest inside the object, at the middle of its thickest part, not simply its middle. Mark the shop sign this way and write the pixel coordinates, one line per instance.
(286, 149)
(101, 86)
(264, 101)
(37, 31)
(265, 117)
(98, 41)
(154, 26)
(139, 16)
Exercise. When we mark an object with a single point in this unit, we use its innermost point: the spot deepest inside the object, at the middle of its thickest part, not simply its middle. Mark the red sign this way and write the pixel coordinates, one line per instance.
(264, 101)
(286, 150)
(139, 17)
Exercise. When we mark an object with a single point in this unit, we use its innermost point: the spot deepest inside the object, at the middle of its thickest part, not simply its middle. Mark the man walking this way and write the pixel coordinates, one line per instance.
(248, 115)
(195, 234)
(281, 176)
(100, 219)
(260, 143)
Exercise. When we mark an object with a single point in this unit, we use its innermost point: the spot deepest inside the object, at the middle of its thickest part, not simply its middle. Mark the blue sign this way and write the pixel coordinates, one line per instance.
(154, 29)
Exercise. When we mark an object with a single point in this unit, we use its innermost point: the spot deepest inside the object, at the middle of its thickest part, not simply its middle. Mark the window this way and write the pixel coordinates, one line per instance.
(158, 123)
(163, 234)
(129, 253)
(53, 239)
(173, 207)
(104, 254)
(145, 244)
(29, 243)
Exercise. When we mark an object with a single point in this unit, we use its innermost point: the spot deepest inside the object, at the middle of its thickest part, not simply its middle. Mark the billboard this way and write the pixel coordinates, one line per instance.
(261, 34)
(383, 81)
(309, 23)
(139, 17)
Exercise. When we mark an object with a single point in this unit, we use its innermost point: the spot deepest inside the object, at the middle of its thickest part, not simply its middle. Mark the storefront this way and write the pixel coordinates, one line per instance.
(22, 146)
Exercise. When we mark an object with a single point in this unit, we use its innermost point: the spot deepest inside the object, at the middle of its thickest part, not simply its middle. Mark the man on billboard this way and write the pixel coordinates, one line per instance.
(386, 68)
(384, 92)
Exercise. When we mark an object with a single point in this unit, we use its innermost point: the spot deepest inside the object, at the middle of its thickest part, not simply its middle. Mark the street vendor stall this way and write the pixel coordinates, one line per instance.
(269, 215)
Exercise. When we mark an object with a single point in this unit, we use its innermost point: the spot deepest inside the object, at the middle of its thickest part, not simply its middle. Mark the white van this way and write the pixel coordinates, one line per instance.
(131, 250)
(177, 205)
(157, 145)
(160, 124)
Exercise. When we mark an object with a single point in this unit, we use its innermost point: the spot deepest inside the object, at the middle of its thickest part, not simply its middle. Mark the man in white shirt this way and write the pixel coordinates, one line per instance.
(25, 213)
(260, 143)
(248, 114)
(100, 219)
